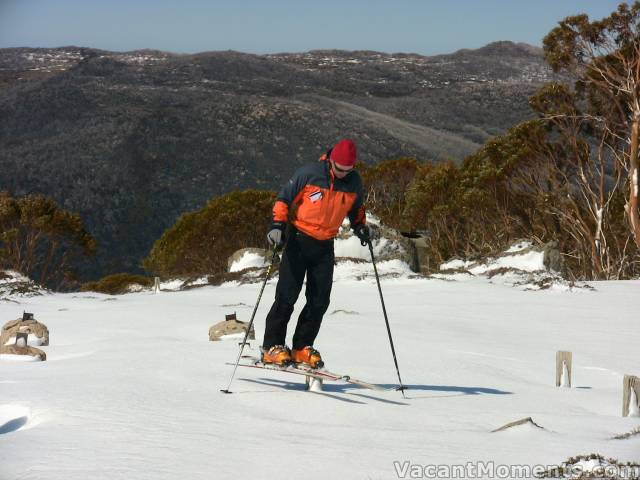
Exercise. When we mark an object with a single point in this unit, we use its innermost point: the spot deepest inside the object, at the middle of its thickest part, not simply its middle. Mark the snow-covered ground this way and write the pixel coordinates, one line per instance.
(131, 385)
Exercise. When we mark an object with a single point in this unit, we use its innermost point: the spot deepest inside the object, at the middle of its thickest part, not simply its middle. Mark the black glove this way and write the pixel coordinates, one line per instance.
(275, 236)
(363, 233)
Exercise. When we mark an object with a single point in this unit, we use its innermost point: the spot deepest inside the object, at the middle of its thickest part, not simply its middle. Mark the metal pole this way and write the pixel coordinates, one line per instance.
(402, 388)
(255, 309)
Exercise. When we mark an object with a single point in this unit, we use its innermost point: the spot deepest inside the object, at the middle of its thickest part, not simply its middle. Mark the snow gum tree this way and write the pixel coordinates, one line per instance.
(41, 240)
(561, 177)
(604, 58)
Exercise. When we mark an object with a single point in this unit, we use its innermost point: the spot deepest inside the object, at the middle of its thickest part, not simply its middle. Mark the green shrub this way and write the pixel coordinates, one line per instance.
(117, 283)
(200, 242)
(41, 240)
(385, 186)
(528, 183)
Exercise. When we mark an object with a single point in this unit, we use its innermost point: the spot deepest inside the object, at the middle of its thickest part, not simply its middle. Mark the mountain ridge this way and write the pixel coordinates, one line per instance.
(132, 140)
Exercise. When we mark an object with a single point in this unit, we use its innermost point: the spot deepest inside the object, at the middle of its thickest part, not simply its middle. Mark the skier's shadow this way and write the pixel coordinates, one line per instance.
(327, 390)
(455, 391)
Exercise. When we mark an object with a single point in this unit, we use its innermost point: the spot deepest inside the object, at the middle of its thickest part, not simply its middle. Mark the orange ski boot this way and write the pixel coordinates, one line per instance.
(308, 356)
(277, 355)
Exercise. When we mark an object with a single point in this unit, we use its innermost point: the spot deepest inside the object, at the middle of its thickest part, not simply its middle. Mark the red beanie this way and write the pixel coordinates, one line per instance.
(344, 153)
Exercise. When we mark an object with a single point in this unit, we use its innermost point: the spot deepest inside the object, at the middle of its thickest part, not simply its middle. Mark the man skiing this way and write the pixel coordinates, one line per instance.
(317, 198)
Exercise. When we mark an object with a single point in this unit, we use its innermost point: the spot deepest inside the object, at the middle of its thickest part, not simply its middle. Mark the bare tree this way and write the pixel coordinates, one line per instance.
(604, 58)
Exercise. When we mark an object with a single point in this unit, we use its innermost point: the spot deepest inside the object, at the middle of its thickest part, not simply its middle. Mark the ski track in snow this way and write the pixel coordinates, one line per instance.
(130, 388)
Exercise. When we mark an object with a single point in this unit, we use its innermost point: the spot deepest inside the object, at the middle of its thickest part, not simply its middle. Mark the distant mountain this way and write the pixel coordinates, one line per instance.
(132, 140)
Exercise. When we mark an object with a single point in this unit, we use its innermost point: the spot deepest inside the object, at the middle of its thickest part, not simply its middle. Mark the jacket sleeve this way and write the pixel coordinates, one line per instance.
(357, 214)
(288, 193)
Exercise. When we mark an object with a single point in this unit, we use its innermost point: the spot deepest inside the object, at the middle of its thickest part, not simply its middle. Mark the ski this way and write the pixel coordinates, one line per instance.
(345, 378)
(287, 369)
(319, 373)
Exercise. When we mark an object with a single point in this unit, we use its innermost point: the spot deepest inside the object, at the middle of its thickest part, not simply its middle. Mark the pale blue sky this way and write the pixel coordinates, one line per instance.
(268, 26)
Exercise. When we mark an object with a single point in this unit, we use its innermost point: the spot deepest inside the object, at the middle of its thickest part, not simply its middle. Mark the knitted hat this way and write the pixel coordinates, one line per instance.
(344, 153)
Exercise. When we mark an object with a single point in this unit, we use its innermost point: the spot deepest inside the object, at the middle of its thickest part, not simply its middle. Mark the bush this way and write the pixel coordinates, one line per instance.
(41, 240)
(433, 204)
(386, 184)
(200, 242)
(117, 283)
(529, 183)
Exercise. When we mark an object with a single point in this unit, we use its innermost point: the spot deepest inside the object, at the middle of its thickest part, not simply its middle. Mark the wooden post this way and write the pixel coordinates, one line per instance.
(630, 392)
(156, 285)
(563, 369)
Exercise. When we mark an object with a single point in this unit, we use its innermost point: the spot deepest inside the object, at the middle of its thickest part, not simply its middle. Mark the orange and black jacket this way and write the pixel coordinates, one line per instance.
(319, 201)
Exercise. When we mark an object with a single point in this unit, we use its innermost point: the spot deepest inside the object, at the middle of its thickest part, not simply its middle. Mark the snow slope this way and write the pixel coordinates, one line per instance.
(131, 388)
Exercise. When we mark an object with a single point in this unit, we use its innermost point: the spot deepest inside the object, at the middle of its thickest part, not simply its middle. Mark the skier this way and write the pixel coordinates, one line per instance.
(317, 198)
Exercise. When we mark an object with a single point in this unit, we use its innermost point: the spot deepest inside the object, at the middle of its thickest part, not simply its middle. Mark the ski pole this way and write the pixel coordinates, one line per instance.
(386, 319)
(255, 309)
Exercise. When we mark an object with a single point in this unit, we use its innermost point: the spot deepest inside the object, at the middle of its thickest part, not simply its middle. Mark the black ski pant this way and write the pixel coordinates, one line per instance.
(302, 255)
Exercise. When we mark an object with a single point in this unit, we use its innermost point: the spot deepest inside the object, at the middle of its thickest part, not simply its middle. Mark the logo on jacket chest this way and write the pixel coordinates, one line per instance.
(315, 196)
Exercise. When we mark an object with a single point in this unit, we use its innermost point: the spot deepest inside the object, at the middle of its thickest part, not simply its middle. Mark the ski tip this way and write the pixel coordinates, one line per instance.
(225, 391)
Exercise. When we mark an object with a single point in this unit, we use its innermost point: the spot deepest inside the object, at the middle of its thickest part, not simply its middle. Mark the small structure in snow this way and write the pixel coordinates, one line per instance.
(631, 396)
(38, 333)
(230, 328)
(563, 369)
(34, 352)
(523, 421)
(20, 344)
